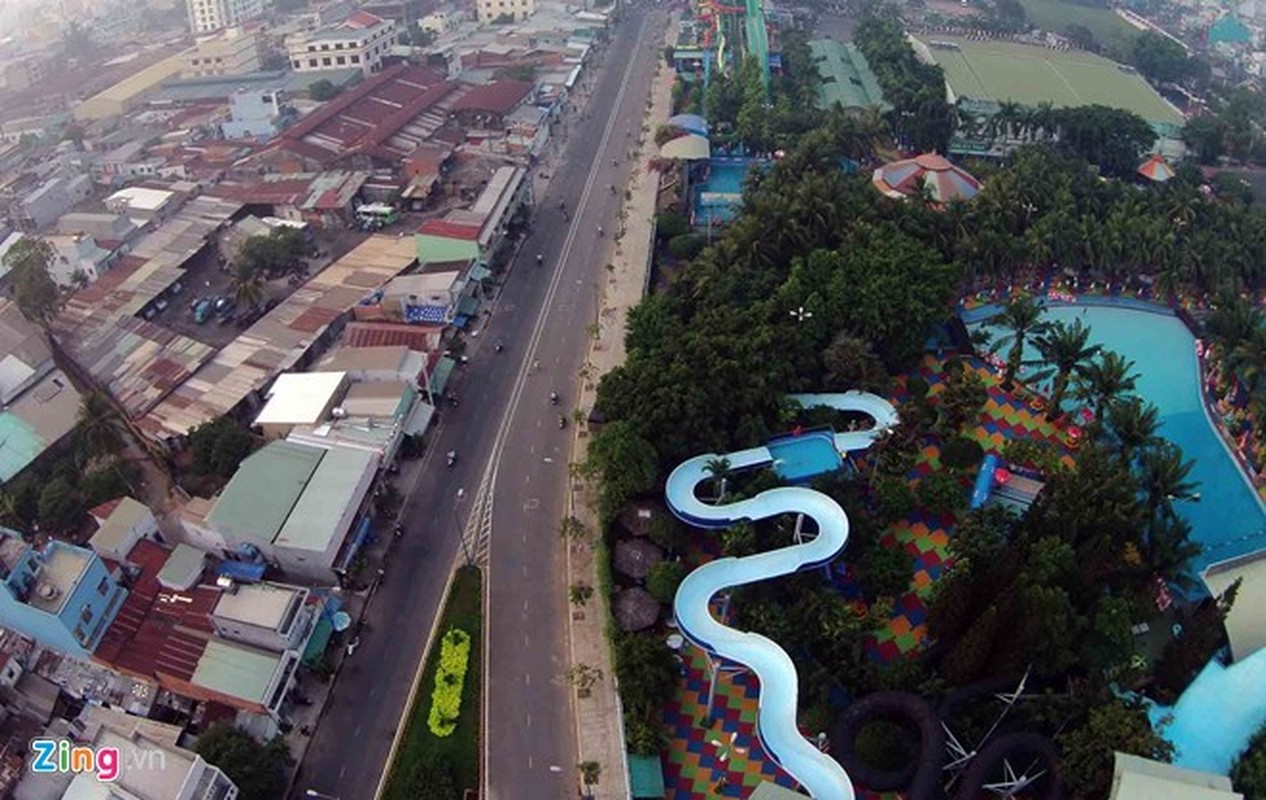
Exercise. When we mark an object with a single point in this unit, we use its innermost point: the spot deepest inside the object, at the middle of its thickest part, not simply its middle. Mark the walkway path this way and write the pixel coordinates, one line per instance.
(599, 730)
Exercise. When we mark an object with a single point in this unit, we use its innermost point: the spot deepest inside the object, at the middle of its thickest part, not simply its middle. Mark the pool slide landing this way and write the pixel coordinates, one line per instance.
(817, 772)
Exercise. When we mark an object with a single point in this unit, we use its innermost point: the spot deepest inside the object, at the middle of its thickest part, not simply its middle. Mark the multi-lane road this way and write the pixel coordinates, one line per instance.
(506, 434)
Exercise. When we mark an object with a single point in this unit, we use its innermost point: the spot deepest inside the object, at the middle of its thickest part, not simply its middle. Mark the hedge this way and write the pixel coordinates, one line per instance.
(446, 699)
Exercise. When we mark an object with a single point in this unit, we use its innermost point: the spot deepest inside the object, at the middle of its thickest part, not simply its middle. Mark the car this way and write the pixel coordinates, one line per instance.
(222, 303)
(203, 312)
(161, 305)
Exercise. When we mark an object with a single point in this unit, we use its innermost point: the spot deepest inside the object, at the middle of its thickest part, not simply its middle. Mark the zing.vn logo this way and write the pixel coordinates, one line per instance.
(59, 755)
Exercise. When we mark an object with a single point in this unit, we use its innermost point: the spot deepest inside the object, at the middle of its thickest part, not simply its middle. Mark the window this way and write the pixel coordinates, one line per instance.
(325, 62)
(355, 59)
(104, 586)
(312, 62)
(341, 61)
(85, 616)
(295, 64)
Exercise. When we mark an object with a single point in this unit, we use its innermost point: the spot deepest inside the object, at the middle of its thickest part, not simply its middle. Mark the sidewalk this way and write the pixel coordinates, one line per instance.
(600, 733)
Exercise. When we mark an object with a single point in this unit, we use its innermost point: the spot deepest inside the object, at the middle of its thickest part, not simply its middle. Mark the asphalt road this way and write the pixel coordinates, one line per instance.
(505, 419)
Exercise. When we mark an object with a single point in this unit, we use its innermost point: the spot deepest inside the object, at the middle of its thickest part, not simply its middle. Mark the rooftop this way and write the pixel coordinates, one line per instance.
(183, 568)
(135, 776)
(63, 566)
(846, 76)
(140, 199)
(497, 97)
(315, 519)
(237, 670)
(24, 352)
(378, 334)
(263, 492)
(298, 398)
(389, 357)
(389, 399)
(1246, 622)
(112, 534)
(221, 87)
(264, 605)
(1136, 778)
(281, 338)
(36, 421)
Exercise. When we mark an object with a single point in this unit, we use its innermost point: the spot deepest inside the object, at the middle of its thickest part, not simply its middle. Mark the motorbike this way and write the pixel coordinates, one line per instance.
(497, 347)
(562, 422)
(451, 458)
(397, 530)
(553, 398)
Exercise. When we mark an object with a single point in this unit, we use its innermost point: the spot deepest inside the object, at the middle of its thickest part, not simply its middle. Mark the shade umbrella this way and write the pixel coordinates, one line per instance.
(1156, 169)
(942, 180)
(690, 123)
(635, 557)
(636, 610)
(690, 147)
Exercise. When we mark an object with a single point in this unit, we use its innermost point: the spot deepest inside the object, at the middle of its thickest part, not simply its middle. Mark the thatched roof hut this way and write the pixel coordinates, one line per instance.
(635, 610)
(635, 557)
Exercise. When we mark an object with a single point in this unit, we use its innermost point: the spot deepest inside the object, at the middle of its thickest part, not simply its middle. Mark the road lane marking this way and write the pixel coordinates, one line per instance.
(529, 721)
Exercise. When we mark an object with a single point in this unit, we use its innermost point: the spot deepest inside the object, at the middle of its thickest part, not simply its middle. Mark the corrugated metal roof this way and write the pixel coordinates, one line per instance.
(338, 483)
(237, 670)
(264, 490)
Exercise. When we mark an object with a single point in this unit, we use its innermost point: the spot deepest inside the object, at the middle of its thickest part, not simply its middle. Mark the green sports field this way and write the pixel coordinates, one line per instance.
(999, 71)
(1056, 16)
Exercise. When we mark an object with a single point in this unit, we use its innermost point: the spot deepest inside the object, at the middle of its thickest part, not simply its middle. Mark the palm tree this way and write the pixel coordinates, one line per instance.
(1022, 317)
(1163, 476)
(719, 469)
(1104, 381)
(100, 426)
(1133, 423)
(1248, 360)
(1066, 350)
(248, 287)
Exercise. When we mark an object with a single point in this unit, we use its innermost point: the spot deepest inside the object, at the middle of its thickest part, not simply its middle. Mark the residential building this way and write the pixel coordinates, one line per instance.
(78, 260)
(124, 163)
(295, 505)
(374, 415)
(62, 596)
(428, 298)
(41, 207)
(361, 40)
(1246, 621)
(41, 407)
(27, 128)
(485, 107)
(103, 227)
(140, 203)
(258, 115)
(128, 94)
(1138, 778)
(405, 13)
(272, 616)
(122, 523)
(300, 398)
(490, 11)
(386, 363)
(206, 16)
(20, 73)
(233, 51)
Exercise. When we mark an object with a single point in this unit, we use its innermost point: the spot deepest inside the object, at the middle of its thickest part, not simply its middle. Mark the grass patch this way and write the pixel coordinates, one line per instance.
(420, 749)
(1054, 15)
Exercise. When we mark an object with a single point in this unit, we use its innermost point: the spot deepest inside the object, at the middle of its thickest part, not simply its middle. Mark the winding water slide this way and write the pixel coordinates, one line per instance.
(817, 772)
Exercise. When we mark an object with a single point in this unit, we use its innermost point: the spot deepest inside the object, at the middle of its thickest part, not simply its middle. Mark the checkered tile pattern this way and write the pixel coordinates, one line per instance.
(693, 767)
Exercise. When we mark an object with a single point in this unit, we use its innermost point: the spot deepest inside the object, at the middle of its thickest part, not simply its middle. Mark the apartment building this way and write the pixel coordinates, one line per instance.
(232, 51)
(206, 16)
(359, 42)
(499, 10)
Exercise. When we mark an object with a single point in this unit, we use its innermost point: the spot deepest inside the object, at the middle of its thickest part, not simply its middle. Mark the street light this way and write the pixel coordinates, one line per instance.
(461, 531)
(801, 315)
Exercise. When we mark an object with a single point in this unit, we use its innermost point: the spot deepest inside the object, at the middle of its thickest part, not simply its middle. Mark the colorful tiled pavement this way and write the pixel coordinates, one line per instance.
(693, 767)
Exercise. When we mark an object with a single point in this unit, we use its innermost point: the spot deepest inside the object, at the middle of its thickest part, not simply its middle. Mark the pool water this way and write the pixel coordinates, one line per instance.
(798, 458)
(725, 177)
(1229, 520)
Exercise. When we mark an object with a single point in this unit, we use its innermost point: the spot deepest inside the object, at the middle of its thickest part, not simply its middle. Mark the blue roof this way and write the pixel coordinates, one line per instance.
(242, 571)
(426, 314)
(692, 123)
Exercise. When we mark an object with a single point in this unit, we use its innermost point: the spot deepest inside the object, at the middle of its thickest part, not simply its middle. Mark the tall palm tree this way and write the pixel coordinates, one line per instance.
(248, 286)
(1133, 422)
(1163, 476)
(719, 469)
(1104, 381)
(1023, 318)
(100, 427)
(1248, 359)
(1066, 350)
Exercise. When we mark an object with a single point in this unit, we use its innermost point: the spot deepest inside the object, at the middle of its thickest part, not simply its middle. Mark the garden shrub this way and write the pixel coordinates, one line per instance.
(663, 580)
(896, 498)
(884, 745)
(686, 246)
(446, 699)
(962, 453)
(942, 494)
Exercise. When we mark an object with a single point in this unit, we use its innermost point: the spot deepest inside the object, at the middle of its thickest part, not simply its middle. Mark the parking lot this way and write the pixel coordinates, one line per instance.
(207, 279)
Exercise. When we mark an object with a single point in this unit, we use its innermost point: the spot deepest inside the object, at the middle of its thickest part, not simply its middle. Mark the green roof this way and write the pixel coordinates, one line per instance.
(236, 670)
(847, 78)
(1229, 30)
(20, 444)
(439, 376)
(182, 563)
(441, 249)
(317, 642)
(264, 490)
(333, 487)
(646, 776)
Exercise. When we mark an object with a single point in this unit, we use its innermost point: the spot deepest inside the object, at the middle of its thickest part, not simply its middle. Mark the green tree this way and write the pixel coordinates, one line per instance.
(885, 571)
(1133, 424)
(851, 363)
(1066, 350)
(1201, 637)
(433, 779)
(322, 90)
(60, 506)
(1110, 138)
(33, 288)
(663, 580)
(1105, 381)
(626, 462)
(1248, 773)
(1160, 58)
(646, 672)
(258, 771)
(960, 404)
(1110, 727)
(248, 286)
(100, 426)
(718, 469)
(1022, 317)
(1205, 135)
(218, 447)
(1164, 478)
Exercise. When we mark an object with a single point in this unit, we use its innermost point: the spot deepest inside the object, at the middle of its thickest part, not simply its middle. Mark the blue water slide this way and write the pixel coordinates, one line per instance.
(817, 772)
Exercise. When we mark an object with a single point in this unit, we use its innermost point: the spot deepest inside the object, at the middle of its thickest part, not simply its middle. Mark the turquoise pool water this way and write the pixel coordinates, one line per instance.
(798, 458)
(725, 185)
(1229, 520)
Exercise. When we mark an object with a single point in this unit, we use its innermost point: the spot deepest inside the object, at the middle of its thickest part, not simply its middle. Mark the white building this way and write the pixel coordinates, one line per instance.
(516, 10)
(140, 203)
(255, 114)
(232, 51)
(273, 616)
(360, 41)
(123, 523)
(78, 260)
(206, 16)
(41, 207)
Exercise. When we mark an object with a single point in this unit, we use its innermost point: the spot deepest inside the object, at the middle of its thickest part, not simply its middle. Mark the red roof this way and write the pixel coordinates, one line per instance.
(499, 97)
(390, 334)
(288, 191)
(102, 512)
(450, 230)
(158, 632)
(361, 19)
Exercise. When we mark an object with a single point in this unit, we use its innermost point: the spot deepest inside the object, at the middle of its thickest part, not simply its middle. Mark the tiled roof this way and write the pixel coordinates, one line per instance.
(383, 334)
(499, 97)
(450, 230)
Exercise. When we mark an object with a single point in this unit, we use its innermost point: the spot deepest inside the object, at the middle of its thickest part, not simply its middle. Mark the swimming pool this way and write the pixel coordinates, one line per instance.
(1229, 520)
(797, 458)
(720, 195)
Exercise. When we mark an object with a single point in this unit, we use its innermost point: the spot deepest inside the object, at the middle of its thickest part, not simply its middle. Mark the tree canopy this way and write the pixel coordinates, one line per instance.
(33, 288)
(258, 771)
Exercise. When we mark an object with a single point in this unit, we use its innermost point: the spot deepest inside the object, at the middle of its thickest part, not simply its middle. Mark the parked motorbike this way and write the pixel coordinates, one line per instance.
(562, 422)
(451, 458)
